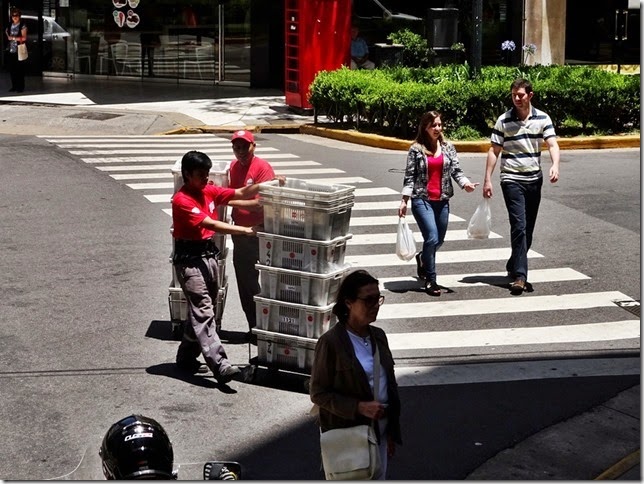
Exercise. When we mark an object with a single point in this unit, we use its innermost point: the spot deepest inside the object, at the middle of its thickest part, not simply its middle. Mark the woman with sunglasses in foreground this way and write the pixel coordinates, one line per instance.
(342, 375)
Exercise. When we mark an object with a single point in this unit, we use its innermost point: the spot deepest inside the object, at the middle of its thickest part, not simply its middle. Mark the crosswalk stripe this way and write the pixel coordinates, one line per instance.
(173, 158)
(389, 220)
(489, 338)
(152, 186)
(386, 205)
(161, 176)
(159, 198)
(478, 279)
(167, 150)
(347, 180)
(168, 167)
(129, 137)
(186, 145)
(500, 305)
(495, 371)
(442, 257)
(374, 192)
(390, 237)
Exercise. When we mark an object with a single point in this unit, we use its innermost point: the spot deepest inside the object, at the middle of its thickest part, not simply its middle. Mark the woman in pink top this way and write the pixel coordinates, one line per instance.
(432, 162)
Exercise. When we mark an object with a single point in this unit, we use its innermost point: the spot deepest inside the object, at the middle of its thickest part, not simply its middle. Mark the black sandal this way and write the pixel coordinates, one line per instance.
(432, 289)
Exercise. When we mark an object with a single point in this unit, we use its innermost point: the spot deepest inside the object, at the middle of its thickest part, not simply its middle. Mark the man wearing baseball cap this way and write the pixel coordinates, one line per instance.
(247, 169)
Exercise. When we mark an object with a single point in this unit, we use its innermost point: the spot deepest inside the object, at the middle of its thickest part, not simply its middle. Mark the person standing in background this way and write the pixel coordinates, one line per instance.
(516, 138)
(16, 34)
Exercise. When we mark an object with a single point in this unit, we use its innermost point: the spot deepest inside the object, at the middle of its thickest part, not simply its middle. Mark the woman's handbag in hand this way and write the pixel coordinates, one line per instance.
(405, 243)
(23, 54)
(352, 453)
(480, 223)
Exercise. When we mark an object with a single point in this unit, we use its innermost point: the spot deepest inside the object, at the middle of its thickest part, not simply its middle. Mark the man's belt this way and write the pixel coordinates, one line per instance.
(185, 250)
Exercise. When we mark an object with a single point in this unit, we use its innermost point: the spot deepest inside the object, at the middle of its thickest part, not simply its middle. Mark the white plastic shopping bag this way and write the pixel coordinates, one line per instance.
(481, 222)
(405, 243)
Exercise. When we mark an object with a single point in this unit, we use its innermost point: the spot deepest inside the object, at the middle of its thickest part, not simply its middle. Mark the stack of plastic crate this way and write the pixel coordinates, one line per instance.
(176, 299)
(301, 267)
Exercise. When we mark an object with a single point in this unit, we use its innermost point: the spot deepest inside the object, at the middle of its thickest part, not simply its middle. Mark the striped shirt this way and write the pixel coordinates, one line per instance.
(521, 142)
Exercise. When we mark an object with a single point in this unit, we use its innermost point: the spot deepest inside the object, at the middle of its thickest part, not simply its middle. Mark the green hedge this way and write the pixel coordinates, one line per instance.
(580, 100)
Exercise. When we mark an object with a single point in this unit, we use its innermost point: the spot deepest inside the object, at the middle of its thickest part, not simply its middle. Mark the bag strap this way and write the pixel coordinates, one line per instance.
(376, 372)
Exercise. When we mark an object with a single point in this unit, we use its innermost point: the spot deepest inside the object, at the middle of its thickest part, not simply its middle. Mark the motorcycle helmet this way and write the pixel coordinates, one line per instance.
(137, 447)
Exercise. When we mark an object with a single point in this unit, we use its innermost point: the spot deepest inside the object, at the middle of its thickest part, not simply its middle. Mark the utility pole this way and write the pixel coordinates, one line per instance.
(477, 36)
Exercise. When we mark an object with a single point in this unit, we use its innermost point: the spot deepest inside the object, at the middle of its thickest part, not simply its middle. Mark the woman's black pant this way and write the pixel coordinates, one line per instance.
(17, 71)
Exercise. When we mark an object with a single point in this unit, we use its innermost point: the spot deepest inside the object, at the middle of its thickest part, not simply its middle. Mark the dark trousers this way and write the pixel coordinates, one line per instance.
(522, 201)
(200, 283)
(17, 71)
(245, 256)
(149, 52)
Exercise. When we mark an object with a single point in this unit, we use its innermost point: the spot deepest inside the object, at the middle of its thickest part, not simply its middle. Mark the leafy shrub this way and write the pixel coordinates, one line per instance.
(416, 52)
(392, 100)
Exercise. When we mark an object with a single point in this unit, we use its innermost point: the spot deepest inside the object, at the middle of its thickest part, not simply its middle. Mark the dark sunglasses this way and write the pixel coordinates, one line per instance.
(371, 301)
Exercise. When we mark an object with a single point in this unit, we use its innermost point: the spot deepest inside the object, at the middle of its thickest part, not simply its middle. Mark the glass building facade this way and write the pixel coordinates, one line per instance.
(241, 42)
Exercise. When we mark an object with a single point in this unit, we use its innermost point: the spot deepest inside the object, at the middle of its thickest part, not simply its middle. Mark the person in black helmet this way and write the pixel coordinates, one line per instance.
(137, 447)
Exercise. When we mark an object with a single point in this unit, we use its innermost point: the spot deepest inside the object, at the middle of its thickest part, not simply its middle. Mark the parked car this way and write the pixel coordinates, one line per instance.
(56, 43)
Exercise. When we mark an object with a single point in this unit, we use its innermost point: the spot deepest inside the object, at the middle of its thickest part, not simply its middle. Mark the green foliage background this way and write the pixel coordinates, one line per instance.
(579, 99)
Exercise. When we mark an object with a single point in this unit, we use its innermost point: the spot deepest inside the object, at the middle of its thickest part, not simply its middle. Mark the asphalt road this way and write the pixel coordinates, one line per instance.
(85, 336)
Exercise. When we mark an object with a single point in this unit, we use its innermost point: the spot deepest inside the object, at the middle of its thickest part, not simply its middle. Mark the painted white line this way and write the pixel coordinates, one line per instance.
(494, 306)
(152, 186)
(442, 257)
(186, 144)
(391, 205)
(169, 157)
(161, 198)
(390, 237)
(167, 211)
(515, 371)
(308, 171)
(143, 137)
(481, 279)
(490, 338)
(169, 175)
(161, 150)
(389, 220)
(168, 167)
(374, 192)
(347, 180)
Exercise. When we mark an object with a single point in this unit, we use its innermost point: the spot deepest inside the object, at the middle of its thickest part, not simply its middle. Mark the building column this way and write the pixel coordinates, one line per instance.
(545, 26)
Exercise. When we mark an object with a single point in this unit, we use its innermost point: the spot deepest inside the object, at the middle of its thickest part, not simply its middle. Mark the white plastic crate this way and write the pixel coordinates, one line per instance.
(179, 305)
(292, 318)
(218, 174)
(309, 255)
(300, 287)
(307, 222)
(285, 352)
(304, 190)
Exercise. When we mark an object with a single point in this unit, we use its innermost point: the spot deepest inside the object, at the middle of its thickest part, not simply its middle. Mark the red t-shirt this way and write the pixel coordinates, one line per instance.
(190, 209)
(257, 171)
(434, 176)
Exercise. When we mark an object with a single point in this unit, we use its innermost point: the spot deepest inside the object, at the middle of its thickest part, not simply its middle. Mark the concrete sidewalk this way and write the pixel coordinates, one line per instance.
(608, 434)
(128, 106)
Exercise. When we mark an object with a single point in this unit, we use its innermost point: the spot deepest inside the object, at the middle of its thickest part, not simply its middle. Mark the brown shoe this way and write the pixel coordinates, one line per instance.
(517, 287)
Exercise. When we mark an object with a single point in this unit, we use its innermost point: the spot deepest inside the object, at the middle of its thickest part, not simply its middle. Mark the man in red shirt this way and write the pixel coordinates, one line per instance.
(194, 218)
(246, 170)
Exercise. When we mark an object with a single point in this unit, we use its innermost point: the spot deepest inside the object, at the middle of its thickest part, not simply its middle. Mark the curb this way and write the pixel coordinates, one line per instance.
(620, 468)
(386, 142)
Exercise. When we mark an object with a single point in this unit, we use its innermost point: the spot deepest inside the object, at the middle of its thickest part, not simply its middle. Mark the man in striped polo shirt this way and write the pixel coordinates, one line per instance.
(517, 137)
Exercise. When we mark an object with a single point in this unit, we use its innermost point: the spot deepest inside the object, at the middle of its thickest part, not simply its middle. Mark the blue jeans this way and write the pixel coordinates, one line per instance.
(432, 218)
(522, 201)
